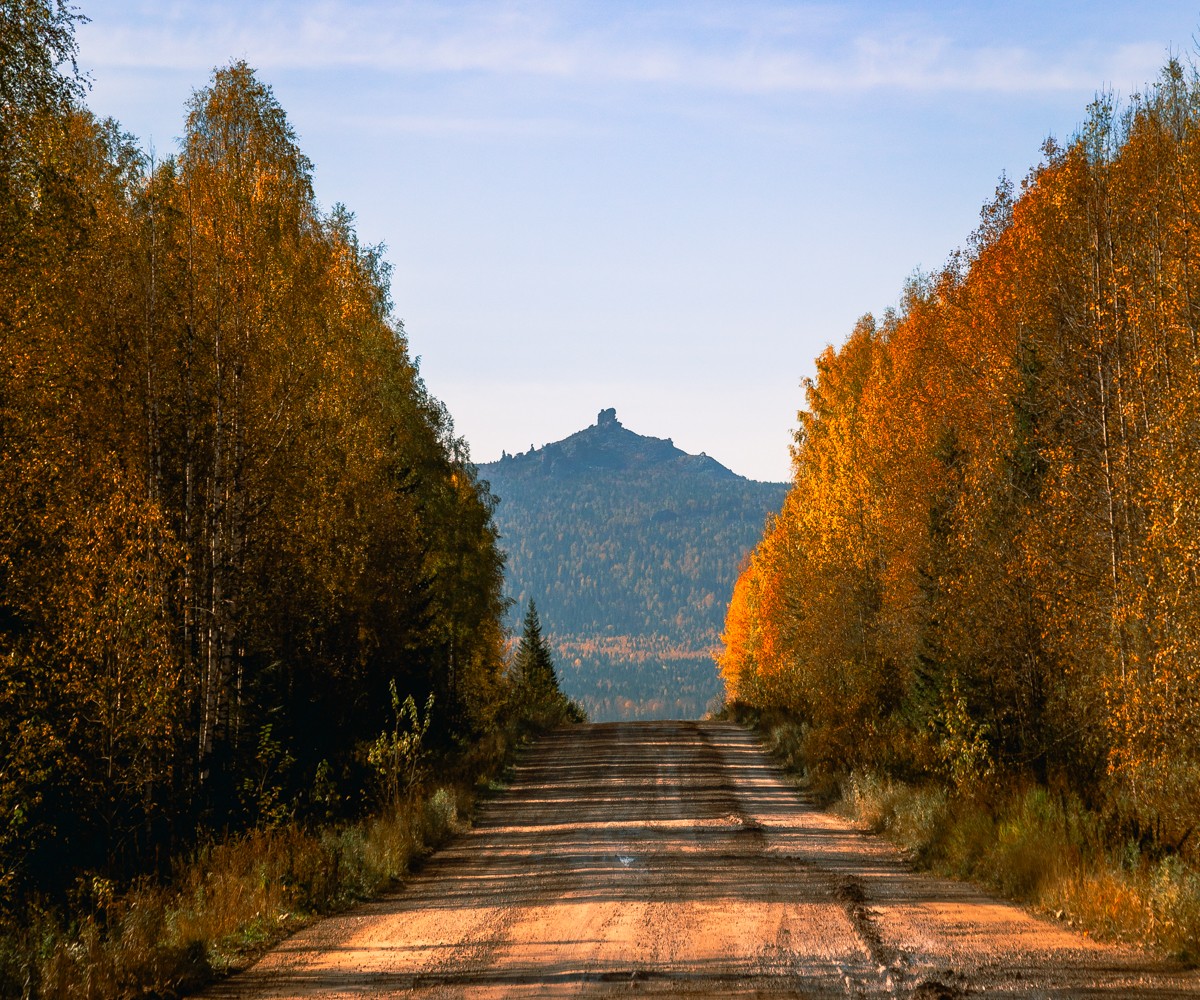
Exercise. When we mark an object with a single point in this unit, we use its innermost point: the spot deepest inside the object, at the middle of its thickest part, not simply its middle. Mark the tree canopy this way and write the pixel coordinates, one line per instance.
(986, 567)
(232, 517)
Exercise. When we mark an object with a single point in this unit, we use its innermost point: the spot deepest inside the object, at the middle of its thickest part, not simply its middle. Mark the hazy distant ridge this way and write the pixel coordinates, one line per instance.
(630, 547)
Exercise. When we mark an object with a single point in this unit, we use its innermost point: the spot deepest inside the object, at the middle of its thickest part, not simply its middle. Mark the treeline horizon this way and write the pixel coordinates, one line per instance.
(231, 514)
(985, 573)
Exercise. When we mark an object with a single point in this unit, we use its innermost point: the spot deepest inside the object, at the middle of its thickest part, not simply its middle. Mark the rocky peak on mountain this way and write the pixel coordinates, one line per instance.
(605, 446)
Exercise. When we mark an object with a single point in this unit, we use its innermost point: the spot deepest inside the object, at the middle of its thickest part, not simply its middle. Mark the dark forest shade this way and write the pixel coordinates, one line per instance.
(231, 515)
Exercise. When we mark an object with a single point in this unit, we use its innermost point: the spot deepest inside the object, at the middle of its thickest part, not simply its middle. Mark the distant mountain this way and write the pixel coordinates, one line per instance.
(630, 547)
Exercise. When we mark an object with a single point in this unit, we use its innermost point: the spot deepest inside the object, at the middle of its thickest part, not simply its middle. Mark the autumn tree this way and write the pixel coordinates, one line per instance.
(232, 517)
(985, 568)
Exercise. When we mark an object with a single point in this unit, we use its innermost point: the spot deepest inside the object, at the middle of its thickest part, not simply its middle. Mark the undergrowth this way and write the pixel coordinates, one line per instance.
(1032, 845)
(233, 898)
(222, 907)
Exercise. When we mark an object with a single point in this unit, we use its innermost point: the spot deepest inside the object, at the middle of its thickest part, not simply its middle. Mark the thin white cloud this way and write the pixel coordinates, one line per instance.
(771, 50)
(450, 125)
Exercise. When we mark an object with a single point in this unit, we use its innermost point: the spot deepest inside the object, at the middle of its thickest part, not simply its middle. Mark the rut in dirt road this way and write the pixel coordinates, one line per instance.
(673, 858)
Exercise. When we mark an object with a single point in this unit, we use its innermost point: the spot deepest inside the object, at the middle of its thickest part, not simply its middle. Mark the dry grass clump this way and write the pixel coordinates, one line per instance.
(1030, 844)
(226, 904)
(1138, 901)
(1043, 849)
(912, 816)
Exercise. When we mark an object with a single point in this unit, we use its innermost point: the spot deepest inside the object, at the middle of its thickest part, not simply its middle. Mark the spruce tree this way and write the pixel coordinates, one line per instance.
(538, 697)
(535, 665)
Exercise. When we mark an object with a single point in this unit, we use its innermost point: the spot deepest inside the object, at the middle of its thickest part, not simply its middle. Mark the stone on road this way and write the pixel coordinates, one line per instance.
(674, 858)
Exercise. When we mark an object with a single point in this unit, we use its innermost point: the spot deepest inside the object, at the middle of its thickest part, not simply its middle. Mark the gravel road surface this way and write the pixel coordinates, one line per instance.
(674, 858)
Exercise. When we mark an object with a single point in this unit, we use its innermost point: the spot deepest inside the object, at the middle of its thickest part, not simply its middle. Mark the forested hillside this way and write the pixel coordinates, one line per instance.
(231, 515)
(986, 569)
(629, 546)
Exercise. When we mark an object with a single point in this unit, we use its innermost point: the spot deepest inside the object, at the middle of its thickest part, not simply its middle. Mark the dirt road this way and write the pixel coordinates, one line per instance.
(672, 858)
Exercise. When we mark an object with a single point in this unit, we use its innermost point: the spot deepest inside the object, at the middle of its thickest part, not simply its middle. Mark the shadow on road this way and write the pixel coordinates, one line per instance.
(673, 858)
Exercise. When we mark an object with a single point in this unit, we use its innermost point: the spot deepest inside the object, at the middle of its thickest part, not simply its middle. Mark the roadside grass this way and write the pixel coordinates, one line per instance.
(223, 907)
(1029, 844)
(232, 899)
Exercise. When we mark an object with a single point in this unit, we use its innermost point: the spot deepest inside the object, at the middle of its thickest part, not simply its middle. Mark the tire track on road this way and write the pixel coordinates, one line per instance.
(675, 859)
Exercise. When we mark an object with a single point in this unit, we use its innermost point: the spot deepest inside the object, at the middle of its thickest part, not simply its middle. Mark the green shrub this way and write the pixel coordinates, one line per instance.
(440, 817)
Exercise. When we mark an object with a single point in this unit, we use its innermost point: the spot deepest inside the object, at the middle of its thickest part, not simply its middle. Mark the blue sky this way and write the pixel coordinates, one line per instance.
(670, 208)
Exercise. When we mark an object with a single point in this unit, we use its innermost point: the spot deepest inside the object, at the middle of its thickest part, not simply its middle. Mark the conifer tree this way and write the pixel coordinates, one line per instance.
(535, 675)
(536, 692)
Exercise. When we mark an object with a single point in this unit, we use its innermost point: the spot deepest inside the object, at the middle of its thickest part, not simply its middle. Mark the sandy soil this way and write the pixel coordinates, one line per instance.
(673, 858)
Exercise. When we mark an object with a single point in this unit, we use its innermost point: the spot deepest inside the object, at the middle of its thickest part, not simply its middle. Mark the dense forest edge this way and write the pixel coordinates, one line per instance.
(253, 654)
(976, 619)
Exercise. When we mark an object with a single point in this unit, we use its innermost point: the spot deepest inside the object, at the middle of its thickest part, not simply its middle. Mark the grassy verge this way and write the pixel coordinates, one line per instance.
(232, 899)
(224, 906)
(1034, 846)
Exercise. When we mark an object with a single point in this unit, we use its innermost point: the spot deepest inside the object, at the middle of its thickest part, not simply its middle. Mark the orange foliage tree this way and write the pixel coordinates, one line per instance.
(986, 568)
(231, 515)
